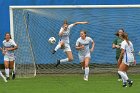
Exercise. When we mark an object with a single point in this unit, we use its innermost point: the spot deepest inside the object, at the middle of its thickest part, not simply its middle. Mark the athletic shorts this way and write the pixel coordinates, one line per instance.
(128, 63)
(9, 57)
(83, 56)
(129, 60)
(66, 47)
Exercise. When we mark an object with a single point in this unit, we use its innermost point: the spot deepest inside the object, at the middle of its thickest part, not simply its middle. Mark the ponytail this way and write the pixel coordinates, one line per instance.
(125, 37)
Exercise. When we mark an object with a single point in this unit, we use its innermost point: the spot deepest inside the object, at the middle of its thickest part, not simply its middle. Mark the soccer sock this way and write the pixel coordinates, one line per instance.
(64, 60)
(119, 76)
(124, 81)
(128, 78)
(7, 72)
(123, 75)
(1, 75)
(57, 47)
(86, 71)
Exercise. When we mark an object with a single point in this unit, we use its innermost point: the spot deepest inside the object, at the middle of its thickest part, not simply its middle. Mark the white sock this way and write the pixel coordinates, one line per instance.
(123, 75)
(57, 47)
(64, 60)
(7, 72)
(124, 81)
(86, 71)
(1, 75)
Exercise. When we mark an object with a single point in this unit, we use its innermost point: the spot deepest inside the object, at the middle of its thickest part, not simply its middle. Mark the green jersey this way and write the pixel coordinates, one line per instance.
(118, 41)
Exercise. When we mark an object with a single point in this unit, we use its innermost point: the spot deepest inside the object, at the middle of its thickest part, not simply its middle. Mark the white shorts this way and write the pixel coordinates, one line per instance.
(128, 63)
(66, 47)
(130, 60)
(9, 57)
(82, 57)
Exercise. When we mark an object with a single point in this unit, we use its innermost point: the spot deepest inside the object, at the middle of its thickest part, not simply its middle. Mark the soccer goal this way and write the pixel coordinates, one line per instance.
(32, 26)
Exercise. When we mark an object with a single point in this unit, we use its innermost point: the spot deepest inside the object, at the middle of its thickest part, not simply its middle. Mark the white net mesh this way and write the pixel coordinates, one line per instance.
(33, 28)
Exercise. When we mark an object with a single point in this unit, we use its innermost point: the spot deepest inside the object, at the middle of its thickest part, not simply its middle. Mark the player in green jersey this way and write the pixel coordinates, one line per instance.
(117, 45)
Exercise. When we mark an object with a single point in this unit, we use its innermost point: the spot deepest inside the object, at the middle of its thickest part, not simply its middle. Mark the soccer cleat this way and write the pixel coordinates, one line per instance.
(53, 51)
(7, 78)
(58, 62)
(124, 85)
(130, 83)
(86, 78)
(13, 76)
(119, 79)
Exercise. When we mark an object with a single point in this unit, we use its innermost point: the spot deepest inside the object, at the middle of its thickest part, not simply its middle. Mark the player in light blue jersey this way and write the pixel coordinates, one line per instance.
(64, 41)
(9, 46)
(126, 59)
(82, 45)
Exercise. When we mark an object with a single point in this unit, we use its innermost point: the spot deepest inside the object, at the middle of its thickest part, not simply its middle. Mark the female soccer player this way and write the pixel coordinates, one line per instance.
(64, 41)
(126, 58)
(82, 45)
(116, 45)
(9, 46)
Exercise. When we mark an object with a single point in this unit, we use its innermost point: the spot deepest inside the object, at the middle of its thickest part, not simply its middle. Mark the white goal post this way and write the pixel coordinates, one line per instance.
(24, 26)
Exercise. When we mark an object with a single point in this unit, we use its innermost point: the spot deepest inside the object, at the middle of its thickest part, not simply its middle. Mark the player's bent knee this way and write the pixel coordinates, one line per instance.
(6, 67)
(70, 59)
(62, 43)
(11, 67)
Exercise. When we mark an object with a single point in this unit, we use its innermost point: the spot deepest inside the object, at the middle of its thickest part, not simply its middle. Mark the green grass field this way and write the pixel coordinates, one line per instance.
(98, 83)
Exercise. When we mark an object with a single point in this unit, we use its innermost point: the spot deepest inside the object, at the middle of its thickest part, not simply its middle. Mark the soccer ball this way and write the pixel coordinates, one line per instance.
(52, 40)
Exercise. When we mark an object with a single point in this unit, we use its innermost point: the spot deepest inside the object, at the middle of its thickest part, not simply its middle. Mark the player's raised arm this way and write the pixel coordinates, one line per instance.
(76, 23)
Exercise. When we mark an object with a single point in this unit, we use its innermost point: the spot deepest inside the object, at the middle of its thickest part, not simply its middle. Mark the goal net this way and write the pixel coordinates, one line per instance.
(32, 26)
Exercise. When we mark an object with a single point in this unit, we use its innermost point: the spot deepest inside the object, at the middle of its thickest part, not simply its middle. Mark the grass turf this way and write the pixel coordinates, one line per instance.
(98, 83)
